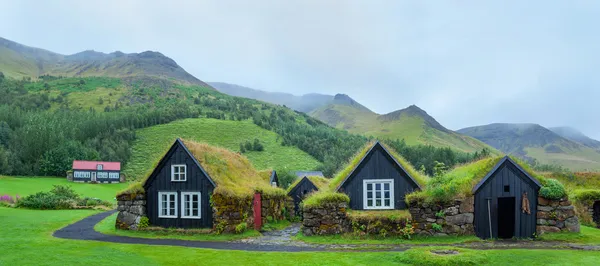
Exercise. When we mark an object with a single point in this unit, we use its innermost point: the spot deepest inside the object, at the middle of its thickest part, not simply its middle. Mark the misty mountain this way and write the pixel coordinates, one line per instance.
(304, 103)
(532, 141)
(17, 60)
(576, 136)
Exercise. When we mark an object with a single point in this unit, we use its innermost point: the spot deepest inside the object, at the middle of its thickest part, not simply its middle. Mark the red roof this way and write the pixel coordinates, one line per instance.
(93, 165)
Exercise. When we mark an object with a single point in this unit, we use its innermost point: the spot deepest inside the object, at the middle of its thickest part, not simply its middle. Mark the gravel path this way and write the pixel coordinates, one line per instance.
(282, 241)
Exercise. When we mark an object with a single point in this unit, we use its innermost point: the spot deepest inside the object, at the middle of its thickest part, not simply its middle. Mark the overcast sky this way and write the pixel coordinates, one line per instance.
(465, 62)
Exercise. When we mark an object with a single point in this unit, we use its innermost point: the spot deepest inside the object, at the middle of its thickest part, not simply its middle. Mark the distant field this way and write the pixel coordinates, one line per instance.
(153, 142)
(24, 186)
(584, 159)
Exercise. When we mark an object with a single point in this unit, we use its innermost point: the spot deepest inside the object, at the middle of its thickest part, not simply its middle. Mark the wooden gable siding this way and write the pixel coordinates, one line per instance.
(378, 165)
(196, 181)
(297, 192)
(506, 175)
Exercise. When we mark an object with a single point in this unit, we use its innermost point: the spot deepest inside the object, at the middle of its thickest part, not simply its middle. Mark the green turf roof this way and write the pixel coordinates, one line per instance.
(346, 171)
(232, 173)
(320, 182)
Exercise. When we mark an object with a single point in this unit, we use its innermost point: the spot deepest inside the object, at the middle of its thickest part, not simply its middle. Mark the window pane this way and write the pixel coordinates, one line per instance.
(377, 202)
(377, 186)
(386, 186)
(369, 186)
(377, 194)
(195, 212)
(369, 195)
(386, 195)
(387, 203)
(370, 203)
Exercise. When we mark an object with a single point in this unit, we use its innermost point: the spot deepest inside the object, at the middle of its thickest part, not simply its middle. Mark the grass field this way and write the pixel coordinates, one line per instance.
(26, 239)
(153, 142)
(24, 186)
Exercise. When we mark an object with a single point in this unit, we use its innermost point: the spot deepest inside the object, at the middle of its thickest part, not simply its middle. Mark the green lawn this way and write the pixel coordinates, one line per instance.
(26, 239)
(24, 186)
(352, 239)
(588, 235)
(107, 226)
(153, 142)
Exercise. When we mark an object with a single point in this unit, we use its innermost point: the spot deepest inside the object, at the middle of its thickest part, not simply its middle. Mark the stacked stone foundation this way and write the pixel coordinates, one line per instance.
(556, 216)
(455, 218)
(131, 207)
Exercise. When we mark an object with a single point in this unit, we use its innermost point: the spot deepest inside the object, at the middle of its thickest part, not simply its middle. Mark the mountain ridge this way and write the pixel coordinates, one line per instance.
(18, 60)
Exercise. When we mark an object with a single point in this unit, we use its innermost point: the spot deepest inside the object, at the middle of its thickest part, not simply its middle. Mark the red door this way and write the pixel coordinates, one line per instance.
(257, 205)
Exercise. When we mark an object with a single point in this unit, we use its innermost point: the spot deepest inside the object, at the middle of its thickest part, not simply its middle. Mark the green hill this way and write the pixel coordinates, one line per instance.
(152, 142)
(17, 61)
(532, 141)
(412, 124)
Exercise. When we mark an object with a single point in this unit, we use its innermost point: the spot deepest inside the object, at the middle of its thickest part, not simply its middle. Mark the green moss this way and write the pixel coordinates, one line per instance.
(342, 174)
(392, 215)
(460, 181)
(587, 196)
(321, 198)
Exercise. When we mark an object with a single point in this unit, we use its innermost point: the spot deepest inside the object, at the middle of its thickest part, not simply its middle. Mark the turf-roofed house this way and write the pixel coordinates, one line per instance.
(376, 180)
(196, 185)
(95, 172)
(366, 196)
(306, 182)
(492, 198)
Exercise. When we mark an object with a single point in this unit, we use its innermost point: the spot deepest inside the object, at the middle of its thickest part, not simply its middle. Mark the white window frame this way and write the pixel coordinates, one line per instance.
(173, 166)
(373, 182)
(183, 194)
(160, 203)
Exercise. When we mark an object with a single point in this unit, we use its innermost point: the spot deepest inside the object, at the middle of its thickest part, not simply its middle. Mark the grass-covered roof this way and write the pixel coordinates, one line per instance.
(337, 180)
(232, 173)
(460, 181)
(320, 182)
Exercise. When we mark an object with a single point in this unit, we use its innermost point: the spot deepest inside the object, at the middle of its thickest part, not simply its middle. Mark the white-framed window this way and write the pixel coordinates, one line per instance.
(190, 205)
(167, 204)
(102, 175)
(178, 172)
(378, 194)
(113, 175)
(99, 167)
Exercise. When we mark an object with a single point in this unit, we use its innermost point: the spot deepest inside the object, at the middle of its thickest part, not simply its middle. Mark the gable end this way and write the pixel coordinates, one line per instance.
(497, 167)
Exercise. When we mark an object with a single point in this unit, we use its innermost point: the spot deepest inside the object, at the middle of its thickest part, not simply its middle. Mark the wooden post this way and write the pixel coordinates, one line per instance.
(257, 205)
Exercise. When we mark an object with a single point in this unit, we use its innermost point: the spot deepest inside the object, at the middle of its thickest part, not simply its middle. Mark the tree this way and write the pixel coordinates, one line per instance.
(100, 101)
(257, 146)
(1, 76)
(439, 169)
(242, 148)
(58, 160)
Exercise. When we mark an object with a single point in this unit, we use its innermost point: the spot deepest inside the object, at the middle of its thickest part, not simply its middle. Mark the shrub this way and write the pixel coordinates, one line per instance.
(46, 201)
(436, 227)
(321, 198)
(407, 231)
(587, 196)
(552, 189)
(440, 214)
(241, 227)
(64, 191)
(144, 222)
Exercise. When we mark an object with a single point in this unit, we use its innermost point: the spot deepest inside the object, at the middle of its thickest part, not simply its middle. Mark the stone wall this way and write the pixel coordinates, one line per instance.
(291, 209)
(455, 218)
(328, 219)
(131, 209)
(273, 208)
(229, 211)
(556, 216)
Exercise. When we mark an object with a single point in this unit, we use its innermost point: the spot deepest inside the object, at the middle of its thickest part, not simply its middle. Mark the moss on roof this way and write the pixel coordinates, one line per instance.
(232, 173)
(460, 181)
(355, 160)
(320, 182)
(320, 198)
(392, 215)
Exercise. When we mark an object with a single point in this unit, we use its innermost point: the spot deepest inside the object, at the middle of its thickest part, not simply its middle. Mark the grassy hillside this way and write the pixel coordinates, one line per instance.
(411, 124)
(534, 142)
(153, 142)
(18, 61)
(24, 186)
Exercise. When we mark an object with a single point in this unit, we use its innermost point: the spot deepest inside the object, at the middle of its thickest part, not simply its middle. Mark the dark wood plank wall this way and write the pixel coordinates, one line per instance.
(296, 192)
(97, 178)
(507, 174)
(196, 182)
(378, 165)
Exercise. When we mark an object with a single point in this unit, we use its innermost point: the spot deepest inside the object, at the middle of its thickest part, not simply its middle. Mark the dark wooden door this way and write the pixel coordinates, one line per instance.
(506, 217)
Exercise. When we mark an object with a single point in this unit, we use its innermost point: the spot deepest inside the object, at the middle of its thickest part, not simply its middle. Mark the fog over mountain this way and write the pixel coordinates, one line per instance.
(467, 64)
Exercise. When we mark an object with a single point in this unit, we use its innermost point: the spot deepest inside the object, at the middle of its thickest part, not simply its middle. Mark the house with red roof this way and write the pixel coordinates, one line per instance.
(95, 172)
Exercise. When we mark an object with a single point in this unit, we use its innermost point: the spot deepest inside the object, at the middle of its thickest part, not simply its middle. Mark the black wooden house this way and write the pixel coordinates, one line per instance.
(273, 179)
(304, 185)
(178, 191)
(499, 198)
(378, 181)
